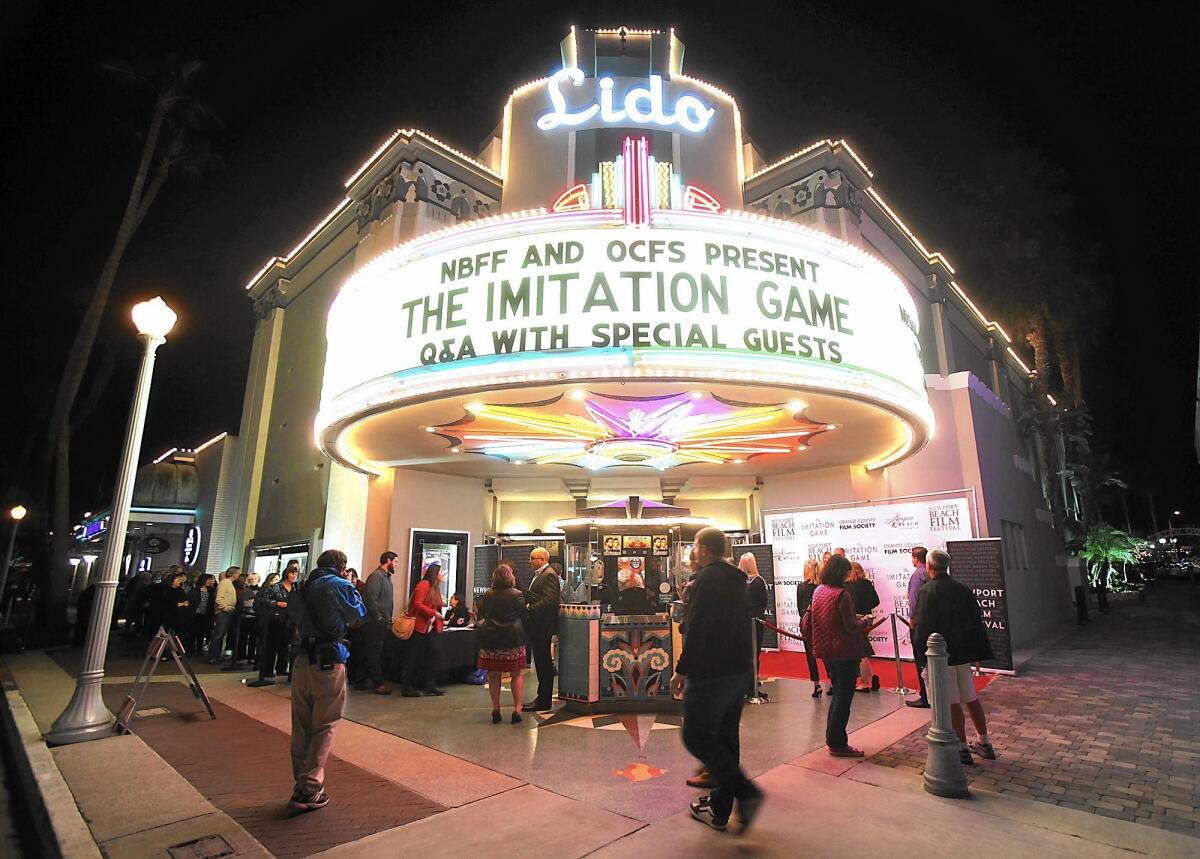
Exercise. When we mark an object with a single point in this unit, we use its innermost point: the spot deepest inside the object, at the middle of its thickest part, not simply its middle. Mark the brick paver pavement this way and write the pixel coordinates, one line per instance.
(1106, 721)
(244, 768)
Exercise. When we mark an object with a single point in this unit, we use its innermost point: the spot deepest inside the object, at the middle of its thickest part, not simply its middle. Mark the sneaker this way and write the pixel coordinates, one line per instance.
(701, 780)
(301, 804)
(703, 812)
(747, 809)
(984, 750)
(964, 756)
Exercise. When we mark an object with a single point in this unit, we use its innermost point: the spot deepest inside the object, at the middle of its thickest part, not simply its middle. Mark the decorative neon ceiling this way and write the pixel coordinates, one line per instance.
(597, 431)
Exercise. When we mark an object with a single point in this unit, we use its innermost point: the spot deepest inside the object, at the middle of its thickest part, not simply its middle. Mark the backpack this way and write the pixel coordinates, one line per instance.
(299, 613)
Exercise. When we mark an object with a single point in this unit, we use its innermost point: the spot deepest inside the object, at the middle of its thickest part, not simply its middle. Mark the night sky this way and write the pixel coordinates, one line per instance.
(307, 91)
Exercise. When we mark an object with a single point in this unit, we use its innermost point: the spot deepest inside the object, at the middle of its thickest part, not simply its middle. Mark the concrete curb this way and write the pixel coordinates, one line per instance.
(61, 829)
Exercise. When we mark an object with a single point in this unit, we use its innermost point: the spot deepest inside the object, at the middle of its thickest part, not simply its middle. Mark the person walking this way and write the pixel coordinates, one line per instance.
(804, 593)
(223, 618)
(542, 597)
(502, 612)
(715, 667)
(323, 611)
(866, 600)
(837, 637)
(377, 596)
(420, 656)
(949, 607)
(756, 594)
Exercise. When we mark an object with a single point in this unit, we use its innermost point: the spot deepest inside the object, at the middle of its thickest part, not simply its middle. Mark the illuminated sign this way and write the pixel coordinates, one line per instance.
(91, 529)
(544, 298)
(191, 545)
(641, 105)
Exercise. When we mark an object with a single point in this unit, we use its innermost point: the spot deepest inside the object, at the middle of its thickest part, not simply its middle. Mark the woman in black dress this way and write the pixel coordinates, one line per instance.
(862, 592)
(804, 593)
(502, 611)
(756, 594)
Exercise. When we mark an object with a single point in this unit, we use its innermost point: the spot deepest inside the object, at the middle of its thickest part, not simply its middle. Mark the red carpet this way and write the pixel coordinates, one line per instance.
(793, 666)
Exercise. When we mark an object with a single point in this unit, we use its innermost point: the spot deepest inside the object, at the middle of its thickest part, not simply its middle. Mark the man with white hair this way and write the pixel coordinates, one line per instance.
(949, 608)
(543, 597)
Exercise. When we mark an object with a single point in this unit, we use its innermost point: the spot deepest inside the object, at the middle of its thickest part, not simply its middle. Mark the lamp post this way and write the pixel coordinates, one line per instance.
(86, 717)
(16, 514)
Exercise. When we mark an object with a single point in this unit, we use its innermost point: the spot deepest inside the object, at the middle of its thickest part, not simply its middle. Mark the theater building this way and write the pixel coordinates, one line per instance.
(618, 318)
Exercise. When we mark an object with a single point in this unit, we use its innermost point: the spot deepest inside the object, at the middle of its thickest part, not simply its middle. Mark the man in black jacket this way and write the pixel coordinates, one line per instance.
(948, 607)
(717, 662)
(543, 597)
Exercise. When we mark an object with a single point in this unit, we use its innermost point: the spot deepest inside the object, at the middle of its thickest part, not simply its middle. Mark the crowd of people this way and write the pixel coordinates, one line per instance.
(309, 631)
(229, 620)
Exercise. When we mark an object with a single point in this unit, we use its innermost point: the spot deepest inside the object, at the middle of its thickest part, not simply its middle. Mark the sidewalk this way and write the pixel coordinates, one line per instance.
(1107, 721)
(435, 776)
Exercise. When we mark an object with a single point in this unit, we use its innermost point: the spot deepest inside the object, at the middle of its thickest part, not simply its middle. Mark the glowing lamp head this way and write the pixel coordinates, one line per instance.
(796, 406)
(474, 408)
(18, 513)
(154, 318)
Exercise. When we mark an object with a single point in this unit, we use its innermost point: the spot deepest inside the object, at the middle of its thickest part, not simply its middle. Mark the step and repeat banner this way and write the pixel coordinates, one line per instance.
(880, 537)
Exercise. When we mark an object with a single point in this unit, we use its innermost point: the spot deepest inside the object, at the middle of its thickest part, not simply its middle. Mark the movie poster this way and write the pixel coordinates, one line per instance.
(880, 537)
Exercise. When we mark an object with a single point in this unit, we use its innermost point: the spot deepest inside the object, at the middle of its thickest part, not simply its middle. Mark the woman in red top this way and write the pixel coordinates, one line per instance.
(420, 662)
(836, 634)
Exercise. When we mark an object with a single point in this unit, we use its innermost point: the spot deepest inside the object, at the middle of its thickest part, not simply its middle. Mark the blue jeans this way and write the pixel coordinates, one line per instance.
(712, 711)
(842, 674)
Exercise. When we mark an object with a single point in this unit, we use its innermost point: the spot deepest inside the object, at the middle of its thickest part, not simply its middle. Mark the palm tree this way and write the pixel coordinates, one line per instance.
(1103, 547)
(168, 145)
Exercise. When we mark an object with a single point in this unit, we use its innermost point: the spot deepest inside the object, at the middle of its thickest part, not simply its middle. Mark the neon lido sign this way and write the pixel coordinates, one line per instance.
(642, 105)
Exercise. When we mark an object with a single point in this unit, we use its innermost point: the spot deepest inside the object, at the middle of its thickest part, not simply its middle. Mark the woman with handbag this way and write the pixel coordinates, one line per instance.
(501, 611)
(836, 634)
(420, 657)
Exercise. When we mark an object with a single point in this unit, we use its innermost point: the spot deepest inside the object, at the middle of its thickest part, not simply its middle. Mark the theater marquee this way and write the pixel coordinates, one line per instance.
(542, 299)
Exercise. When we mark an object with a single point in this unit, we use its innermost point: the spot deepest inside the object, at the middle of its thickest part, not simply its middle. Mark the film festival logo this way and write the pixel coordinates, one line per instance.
(945, 517)
(902, 522)
(818, 550)
(783, 529)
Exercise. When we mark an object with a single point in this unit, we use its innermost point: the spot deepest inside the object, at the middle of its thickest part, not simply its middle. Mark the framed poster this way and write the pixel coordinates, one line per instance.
(611, 544)
(639, 542)
(659, 544)
(979, 565)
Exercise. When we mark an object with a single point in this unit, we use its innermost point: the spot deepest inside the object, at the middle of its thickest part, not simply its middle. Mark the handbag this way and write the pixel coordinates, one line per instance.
(403, 626)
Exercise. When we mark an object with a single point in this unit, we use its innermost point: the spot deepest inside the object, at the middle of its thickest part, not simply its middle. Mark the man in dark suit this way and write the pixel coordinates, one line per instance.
(543, 597)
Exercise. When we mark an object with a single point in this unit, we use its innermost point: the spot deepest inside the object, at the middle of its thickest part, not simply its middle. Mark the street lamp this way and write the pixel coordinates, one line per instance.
(86, 717)
(16, 514)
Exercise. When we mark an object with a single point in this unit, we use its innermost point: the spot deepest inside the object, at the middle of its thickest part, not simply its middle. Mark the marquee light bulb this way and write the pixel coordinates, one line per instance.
(796, 406)
(474, 407)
